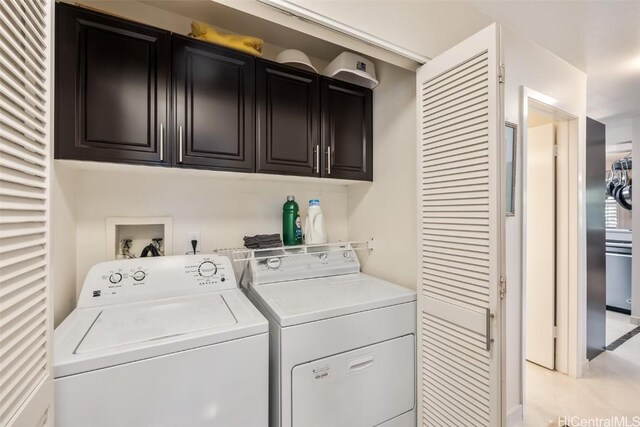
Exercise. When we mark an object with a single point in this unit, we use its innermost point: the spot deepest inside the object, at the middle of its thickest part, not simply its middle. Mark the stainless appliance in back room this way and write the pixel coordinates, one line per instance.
(619, 270)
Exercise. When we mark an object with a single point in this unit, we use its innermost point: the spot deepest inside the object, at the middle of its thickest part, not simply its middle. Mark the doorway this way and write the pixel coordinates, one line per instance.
(546, 208)
(618, 218)
(551, 256)
(547, 394)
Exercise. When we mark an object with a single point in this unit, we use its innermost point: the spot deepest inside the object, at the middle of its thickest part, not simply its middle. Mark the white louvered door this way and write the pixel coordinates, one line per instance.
(461, 212)
(26, 391)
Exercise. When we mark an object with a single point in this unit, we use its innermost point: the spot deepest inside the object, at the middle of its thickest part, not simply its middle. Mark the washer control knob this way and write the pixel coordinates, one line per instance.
(115, 278)
(139, 275)
(207, 269)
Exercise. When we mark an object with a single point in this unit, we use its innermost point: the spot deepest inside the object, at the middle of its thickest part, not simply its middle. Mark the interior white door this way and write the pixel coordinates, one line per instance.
(540, 255)
(26, 383)
(461, 214)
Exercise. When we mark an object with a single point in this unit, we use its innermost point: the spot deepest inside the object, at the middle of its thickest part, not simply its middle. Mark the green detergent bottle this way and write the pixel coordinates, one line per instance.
(291, 224)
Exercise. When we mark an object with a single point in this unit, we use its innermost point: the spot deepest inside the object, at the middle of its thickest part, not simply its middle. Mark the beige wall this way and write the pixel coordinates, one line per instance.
(222, 208)
(530, 65)
(63, 243)
(386, 209)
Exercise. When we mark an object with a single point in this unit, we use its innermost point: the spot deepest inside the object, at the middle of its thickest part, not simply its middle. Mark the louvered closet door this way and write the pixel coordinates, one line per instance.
(25, 327)
(460, 213)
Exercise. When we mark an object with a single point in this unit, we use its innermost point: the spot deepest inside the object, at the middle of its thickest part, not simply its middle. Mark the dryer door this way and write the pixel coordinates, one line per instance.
(363, 387)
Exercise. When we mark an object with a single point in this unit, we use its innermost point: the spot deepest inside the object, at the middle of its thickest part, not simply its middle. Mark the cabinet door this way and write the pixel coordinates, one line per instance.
(288, 125)
(112, 82)
(214, 103)
(347, 133)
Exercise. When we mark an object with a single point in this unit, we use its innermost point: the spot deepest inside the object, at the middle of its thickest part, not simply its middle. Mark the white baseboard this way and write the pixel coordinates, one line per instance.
(515, 416)
(585, 367)
(635, 320)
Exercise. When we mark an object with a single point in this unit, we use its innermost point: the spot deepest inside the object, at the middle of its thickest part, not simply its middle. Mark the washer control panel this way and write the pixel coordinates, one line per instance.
(131, 280)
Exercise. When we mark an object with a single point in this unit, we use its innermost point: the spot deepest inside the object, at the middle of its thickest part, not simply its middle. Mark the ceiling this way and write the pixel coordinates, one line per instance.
(601, 38)
(430, 26)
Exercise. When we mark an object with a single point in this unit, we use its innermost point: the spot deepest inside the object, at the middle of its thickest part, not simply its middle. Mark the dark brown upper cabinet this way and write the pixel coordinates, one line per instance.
(214, 105)
(347, 130)
(112, 86)
(288, 120)
(130, 93)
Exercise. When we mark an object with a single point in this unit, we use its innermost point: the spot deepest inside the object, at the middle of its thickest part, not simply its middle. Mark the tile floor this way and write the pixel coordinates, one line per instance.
(617, 325)
(611, 387)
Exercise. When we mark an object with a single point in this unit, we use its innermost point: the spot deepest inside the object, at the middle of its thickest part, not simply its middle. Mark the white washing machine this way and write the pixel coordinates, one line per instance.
(166, 341)
(342, 343)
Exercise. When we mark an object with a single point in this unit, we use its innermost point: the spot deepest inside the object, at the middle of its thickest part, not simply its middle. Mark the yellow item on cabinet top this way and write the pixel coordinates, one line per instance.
(246, 44)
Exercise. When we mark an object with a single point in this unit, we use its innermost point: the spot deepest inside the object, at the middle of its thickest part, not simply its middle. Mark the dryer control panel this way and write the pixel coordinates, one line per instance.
(130, 280)
(317, 261)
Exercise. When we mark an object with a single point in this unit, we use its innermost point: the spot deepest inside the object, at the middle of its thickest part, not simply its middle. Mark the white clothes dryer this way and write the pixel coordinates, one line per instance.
(342, 343)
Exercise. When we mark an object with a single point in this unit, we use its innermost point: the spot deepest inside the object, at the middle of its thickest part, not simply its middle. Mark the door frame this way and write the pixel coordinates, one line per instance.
(575, 223)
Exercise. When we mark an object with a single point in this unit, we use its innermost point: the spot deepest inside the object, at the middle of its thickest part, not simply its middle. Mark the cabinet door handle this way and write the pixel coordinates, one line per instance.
(329, 160)
(317, 150)
(161, 142)
(180, 152)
